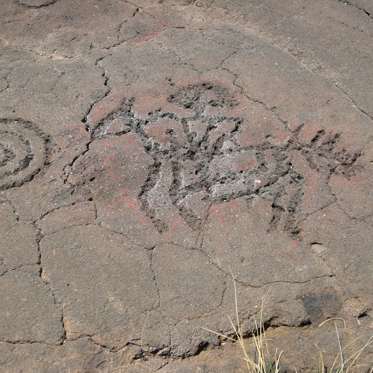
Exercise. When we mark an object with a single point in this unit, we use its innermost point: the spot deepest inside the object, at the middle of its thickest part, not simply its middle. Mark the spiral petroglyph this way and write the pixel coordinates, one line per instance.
(23, 152)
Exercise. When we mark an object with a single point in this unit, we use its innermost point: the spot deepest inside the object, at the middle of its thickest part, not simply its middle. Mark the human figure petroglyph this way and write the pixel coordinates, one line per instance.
(198, 158)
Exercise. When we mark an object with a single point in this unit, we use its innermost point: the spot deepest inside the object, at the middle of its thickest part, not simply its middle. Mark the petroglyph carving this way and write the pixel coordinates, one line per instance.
(198, 159)
(23, 152)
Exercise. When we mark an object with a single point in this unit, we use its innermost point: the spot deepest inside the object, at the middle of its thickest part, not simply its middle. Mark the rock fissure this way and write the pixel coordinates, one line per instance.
(58, 303)
(352, 4)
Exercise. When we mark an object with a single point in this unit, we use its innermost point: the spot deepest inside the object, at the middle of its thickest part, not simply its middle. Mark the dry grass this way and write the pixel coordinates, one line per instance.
(344, 362)
(260, 360)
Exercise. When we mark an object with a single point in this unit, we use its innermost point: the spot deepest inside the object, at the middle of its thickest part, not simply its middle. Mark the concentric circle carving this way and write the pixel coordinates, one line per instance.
(23, 152)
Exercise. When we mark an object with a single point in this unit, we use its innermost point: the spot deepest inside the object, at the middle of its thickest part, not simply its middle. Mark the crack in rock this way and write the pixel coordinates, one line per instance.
(350, 3)
(45, 281)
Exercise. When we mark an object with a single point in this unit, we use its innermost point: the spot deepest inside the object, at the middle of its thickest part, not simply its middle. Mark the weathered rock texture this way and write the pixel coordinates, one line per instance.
(151, 151)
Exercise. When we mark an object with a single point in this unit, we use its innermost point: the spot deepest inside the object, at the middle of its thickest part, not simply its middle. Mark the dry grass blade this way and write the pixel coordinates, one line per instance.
(341, 364)
(258, 359)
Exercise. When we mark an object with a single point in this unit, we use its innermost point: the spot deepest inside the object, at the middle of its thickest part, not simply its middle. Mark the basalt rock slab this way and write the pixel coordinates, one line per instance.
(161, 161)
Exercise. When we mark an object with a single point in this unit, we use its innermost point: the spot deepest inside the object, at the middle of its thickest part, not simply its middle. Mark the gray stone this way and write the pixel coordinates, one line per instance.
(29, 312)
(106, 287)
(155, 154)
(18, 245)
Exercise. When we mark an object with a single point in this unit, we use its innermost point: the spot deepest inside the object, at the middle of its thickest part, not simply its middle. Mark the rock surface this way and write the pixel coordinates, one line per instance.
(150, 152)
